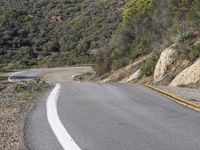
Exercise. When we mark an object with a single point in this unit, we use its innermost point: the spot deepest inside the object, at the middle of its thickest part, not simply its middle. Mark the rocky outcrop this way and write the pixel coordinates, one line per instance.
(189, 76)
(134, 77)
(57, 18)
(167, 58)
(120, 74)
(170, 64)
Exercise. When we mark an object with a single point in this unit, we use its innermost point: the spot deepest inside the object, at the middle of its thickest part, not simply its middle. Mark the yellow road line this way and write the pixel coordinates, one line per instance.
(176, 98)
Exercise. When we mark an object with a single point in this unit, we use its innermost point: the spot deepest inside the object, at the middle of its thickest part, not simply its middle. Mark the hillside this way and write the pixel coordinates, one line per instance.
(157, 42)
(55, 32)
(115, 35)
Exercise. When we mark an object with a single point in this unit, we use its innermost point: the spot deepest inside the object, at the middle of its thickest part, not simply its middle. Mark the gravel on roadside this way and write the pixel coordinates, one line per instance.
(16, 101)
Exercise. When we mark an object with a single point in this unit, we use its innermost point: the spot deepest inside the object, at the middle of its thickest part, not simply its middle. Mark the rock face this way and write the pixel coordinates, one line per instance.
(133, 77)
(190, 75)
(167, 58)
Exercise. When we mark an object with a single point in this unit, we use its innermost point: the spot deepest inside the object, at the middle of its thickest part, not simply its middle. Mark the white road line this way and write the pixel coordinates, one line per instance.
(56, 125)
(12, 76)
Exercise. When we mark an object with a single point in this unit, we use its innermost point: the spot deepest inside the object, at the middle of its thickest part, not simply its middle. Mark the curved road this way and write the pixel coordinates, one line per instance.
(111, 117)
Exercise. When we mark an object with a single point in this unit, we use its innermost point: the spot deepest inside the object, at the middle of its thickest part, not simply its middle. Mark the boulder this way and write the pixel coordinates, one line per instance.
(167, 59)
(189, 76)
(134, 77)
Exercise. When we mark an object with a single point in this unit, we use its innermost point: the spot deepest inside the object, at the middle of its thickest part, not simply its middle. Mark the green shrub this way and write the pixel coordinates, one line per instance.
(103, 62)
(194, 14)
(148, 67)
(195, 50)
(35, 85)
(182, 85)
(184, 34)
(185, 48)
(140, 46)
(119, 63)
(181, 8)
(137, 8)
(11, 66)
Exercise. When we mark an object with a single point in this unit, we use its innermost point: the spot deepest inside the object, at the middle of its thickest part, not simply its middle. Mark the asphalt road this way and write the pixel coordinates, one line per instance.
(115, 117)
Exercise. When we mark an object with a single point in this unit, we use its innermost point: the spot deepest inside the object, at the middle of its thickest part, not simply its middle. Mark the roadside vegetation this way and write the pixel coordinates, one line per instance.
(16, 101)
(148, 67)
(87, 77)
(4, 76)
(185, 43)
(148, 25)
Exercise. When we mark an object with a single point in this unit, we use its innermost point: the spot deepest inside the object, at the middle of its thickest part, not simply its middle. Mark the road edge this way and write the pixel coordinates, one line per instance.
(12, 75)
(175, 98)
(22, 142)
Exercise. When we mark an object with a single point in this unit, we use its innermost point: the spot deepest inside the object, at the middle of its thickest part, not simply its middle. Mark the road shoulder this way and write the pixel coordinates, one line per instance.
(16, 101)
(37, 131)
(186, 97)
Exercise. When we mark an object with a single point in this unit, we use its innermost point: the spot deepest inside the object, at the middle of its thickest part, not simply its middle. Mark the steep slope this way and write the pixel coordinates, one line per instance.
(152, 26)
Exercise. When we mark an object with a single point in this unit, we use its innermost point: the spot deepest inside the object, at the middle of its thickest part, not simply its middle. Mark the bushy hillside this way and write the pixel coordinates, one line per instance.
(55, 32)
(147, 26)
